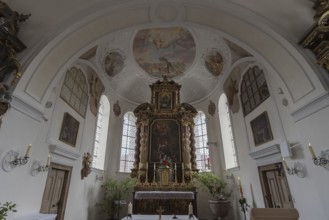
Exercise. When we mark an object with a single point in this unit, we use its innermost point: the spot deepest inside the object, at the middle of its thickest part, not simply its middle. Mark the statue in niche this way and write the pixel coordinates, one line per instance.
(231, 88)
(9, 42)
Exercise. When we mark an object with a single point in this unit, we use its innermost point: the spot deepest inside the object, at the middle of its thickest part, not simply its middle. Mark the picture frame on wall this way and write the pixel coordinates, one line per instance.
(261, 129)
(69, 129)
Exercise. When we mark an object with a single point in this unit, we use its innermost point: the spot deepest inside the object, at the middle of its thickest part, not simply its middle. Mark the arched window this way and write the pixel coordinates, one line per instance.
(127, 156)
(75, 90)
(253, 89)
(227, 133)
(102, 125)
(201, 139)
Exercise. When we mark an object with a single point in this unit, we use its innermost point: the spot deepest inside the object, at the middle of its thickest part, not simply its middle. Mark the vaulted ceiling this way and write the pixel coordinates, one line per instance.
(133, 43)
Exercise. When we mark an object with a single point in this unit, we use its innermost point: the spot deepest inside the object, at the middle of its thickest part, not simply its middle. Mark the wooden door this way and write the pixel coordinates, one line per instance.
(275, 187)
(56, 189)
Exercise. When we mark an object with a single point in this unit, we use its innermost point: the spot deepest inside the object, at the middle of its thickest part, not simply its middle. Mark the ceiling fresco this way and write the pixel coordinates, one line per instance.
(164, 51)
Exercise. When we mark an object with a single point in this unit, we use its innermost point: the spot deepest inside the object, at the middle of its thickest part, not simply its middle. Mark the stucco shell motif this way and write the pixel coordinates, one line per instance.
(164, 51)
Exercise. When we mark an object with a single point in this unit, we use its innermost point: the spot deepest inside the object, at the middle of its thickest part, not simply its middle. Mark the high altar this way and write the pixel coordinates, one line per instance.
(165, 152)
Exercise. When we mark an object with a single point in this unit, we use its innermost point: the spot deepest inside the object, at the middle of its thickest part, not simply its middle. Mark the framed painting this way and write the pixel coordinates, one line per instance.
(165, 140)
(261, 129)
(69, 130)
(165, 101)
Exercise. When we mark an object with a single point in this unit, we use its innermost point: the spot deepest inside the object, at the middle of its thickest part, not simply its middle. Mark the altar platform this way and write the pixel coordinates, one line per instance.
(163, 217)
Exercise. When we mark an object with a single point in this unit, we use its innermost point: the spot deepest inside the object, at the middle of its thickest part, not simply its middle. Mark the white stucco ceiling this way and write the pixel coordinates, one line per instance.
(96, 24)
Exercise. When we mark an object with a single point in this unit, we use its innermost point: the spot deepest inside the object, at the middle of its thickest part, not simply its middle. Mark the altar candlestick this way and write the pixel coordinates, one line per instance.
(190, 209)
(240, 187)
(130, 208)
(183, 173)
(311, 150)
(28, 151)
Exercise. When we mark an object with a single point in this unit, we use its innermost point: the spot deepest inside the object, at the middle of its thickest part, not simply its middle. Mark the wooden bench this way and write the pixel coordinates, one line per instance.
(273, 214)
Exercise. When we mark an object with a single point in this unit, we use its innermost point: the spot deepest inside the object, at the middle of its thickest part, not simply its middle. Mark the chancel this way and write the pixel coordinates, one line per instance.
(123, 109)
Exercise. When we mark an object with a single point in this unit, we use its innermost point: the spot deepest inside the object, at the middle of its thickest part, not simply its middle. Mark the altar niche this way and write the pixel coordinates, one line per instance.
(164, 131)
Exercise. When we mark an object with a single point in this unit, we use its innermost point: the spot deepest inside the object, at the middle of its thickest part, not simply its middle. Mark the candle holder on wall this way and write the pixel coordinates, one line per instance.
(12, 159)
(322, 160)
(37, 167)
(298, 169)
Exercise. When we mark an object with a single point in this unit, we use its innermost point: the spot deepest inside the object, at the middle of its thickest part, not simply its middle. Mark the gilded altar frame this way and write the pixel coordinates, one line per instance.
(164, 127)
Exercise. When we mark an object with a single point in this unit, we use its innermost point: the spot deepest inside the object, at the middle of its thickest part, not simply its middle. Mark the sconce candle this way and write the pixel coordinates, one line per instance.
(48, 160)
(285, 166)
(28, 151)
(311, 150)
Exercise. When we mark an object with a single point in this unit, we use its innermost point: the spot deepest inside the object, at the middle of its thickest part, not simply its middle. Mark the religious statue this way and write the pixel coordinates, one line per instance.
(86, 163)
(5, 99)
(9, 42)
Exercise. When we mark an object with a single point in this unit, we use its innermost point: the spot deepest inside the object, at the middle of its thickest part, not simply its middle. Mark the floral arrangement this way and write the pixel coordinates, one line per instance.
(6, 208)
(165, 162)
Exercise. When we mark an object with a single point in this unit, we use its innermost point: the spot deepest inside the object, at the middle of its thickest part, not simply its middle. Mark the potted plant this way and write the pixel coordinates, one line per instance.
(114, 192)
(6, 208)
(217, 189)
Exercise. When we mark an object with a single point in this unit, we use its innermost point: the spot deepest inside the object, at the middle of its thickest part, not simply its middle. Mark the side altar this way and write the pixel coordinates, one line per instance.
(164, 152)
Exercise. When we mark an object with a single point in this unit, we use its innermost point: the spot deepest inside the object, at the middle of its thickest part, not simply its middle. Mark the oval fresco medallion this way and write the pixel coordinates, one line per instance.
(214, 62)
(113, 63)
(164, 51)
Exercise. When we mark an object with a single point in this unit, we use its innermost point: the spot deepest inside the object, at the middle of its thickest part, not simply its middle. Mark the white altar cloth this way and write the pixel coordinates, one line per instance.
(163, 217)
(164, 195)
(37, 216)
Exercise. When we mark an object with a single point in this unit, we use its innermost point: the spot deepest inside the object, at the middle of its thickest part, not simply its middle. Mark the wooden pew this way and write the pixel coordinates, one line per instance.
(273, 214)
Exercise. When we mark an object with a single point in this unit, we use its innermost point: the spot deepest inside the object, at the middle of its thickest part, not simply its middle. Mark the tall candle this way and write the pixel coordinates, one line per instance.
(285, 166)
(190, 209)
(48, 160)
(28, 151)
(130, 208)
(183, 178)
(311, 150)
(147, 165)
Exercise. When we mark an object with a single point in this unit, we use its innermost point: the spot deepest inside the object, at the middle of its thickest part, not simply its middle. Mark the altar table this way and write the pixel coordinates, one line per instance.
(146, 202)
(37, 216)
(156, 217)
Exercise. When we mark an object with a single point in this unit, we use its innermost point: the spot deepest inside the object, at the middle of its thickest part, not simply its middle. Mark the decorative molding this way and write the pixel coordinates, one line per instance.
(317, 104)
(32, 111)
(267, 155)
(61, 151)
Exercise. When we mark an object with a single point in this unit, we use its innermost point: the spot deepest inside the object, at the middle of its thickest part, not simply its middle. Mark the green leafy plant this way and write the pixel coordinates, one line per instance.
(6, 208)
(214, 185)
(113, 192)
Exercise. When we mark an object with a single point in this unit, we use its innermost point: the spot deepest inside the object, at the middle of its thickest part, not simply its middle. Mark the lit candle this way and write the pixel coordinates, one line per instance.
(190, 209)
(48, 160)
(240, 187)
(284, 164)
(130, 208)
(28, 151)
(175, 166)
(311, 150)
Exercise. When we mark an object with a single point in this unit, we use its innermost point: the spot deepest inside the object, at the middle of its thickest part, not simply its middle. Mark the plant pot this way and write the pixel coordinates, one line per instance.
(220, 208)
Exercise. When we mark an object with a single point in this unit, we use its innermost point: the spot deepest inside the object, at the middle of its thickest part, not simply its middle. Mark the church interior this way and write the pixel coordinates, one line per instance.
(161, 93)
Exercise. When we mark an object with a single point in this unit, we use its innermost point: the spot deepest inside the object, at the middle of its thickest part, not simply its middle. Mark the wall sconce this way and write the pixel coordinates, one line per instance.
(322, 160)
(298, 169)
(12, 159)
(37, 167)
